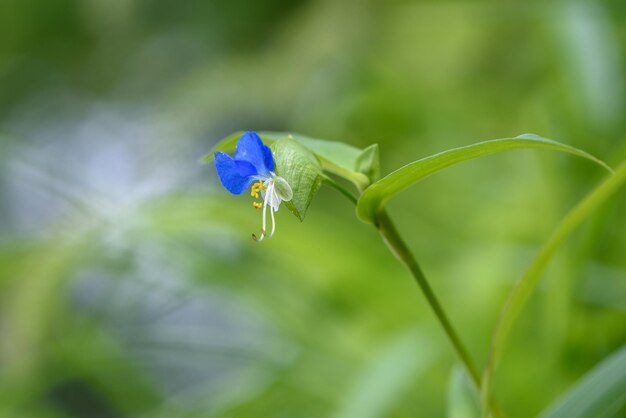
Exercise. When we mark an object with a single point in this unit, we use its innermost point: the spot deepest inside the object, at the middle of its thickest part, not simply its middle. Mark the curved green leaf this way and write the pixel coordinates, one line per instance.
(600, 392)
(375, 196)
(523, 290)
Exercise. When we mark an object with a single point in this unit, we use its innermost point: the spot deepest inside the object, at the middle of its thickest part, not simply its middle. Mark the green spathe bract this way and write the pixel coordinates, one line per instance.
(301, 170)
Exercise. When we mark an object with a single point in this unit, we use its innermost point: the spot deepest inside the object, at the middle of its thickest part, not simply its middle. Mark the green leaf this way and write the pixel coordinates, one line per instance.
(335, 157)
(368, 163)
(523, 290)
(375, 196)
(599, 393)
(463, 399)
(301, 169)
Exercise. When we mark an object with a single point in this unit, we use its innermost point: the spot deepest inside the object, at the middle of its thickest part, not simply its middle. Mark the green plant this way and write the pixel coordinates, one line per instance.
(306, 163)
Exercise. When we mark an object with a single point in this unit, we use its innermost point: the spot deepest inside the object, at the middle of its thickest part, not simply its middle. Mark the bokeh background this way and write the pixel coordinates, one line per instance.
(130, 287)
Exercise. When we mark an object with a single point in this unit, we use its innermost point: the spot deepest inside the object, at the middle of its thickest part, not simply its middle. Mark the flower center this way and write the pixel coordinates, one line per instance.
(274, 190)
(254, 192)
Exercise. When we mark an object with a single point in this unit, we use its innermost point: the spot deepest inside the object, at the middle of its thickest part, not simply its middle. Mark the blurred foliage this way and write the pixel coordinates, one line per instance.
(128, 282)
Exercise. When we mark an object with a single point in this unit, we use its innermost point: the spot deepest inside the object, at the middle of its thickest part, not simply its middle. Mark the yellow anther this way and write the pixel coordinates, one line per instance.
(257, 205)
(256, 188)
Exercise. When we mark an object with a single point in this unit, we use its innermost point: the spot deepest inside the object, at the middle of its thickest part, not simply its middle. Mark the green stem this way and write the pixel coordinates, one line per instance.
(399, 248)
(332, 183)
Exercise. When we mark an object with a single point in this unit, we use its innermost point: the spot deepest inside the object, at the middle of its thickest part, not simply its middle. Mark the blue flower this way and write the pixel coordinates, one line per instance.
(253, 166)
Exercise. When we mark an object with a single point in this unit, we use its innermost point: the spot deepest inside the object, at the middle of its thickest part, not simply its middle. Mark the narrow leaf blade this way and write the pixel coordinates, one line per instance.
(521, 293)
(375, 196)
(599, 392)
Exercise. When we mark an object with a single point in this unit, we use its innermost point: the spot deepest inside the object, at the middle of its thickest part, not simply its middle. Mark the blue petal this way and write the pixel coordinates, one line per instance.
(250, 148)
(236, 176)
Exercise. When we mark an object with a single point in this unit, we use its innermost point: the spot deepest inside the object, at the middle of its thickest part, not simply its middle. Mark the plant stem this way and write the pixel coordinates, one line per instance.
(332, 183)
(399, 248)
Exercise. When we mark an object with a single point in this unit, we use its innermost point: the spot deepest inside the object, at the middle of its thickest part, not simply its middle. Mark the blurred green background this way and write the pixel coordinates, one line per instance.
(130, 287)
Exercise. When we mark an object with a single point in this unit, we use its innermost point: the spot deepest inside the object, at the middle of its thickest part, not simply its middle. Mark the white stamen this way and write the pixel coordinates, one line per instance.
(273, 197)
(273, 223)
